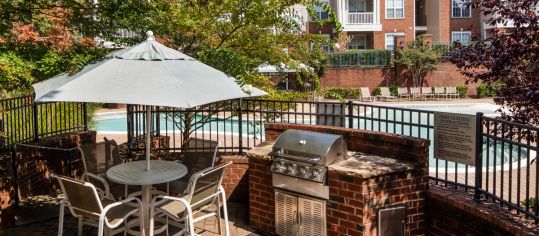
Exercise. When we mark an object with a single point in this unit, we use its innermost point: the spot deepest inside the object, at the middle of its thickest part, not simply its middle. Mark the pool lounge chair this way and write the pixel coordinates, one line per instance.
(385, 94)
(403, 93)
(451, 92)
(415, 93)
(439, 92)
(426, 92)
(366, 95)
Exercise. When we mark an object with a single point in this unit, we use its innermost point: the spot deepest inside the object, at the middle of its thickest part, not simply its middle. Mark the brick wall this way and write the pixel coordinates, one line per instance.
(472, 24)
(405, 25)
(445, 75)
(261, 196)
(354, 202)
(453, 212)
(34, 167)
(235, 180)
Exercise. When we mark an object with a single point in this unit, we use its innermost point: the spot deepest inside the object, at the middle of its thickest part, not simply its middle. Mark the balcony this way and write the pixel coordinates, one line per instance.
(360, 18)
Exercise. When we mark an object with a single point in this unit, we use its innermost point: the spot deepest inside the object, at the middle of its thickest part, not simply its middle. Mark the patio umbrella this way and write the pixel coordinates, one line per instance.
(149, 74)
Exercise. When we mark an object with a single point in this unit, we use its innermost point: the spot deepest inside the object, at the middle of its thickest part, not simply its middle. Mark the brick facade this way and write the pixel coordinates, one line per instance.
(235, 180)
(348, 77)
(452, 211)
(354, 201)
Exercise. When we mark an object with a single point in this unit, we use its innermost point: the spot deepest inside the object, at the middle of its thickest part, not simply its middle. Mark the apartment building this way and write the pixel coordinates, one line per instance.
(374, 24)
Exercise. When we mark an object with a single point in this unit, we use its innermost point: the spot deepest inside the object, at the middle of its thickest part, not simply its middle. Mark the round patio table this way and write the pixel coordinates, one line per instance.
(135, 173)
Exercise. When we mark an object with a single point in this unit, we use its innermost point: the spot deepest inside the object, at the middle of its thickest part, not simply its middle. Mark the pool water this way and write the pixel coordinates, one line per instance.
(110, 123)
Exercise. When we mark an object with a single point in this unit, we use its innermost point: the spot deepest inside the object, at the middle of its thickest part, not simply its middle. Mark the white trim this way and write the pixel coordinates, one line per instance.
(395, 18)
(392, 34)
(461, 17)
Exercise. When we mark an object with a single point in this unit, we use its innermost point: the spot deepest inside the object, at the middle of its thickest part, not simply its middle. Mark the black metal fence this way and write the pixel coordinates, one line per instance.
(23, 120)
(506, 171)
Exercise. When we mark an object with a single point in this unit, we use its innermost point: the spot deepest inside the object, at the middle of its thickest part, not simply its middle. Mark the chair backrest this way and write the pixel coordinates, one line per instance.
(204, 186)
(402, 91)
(426, 90)
(415, 90)
(439, 90)
(94, 158)
(112, 152)
(82, 197)
(384, 91)
(452, 90)
(199, 154)
(365, 92)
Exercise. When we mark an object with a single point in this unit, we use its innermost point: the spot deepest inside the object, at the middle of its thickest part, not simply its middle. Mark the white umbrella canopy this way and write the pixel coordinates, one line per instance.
(148, 73)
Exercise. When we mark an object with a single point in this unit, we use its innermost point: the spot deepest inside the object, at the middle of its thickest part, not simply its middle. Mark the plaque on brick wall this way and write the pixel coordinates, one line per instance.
(454, 137)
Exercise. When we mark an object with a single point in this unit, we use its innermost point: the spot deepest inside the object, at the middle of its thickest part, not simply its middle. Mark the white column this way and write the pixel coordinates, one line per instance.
(377, 12)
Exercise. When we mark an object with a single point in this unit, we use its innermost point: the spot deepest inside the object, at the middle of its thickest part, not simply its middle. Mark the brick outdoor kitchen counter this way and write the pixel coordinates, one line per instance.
(382, 171)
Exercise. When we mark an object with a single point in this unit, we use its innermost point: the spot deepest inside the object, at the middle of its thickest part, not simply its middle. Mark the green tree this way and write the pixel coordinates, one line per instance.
(419, 58)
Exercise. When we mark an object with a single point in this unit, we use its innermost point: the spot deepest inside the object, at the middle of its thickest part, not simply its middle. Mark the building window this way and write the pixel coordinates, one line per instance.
(390, 40)
(462, 9)
(321, 13)
(357, 5)
(357, 42)
(394, 9)
(462, 37)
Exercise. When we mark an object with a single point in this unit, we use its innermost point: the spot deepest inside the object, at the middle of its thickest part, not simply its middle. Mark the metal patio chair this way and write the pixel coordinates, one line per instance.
(415, 92)
(452, 92)
(97, 159)
(426, 92)
(204, 191)
(386, 94)
(197, 154)
(402, 92)
(85, 204)
(439, 92)
(366, 95)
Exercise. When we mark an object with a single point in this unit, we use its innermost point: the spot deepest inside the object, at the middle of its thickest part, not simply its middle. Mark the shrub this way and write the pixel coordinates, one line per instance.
(366, 58)
(341, 93)
(462, 90)
(532, 202)
(489, 90)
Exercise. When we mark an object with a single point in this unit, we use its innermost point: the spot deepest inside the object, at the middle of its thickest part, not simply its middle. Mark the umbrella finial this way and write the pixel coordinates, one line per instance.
(149, 34)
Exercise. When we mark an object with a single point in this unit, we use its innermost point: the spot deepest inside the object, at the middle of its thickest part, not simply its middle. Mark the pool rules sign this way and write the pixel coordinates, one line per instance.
(455, 137)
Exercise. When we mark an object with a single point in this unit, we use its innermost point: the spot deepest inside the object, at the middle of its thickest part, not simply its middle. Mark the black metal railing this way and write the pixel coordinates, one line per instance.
(23, 120)
(239, 125)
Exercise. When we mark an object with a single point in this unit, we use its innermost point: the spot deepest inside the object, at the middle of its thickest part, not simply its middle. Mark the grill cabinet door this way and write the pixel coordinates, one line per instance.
(286, 213)
(312, 217)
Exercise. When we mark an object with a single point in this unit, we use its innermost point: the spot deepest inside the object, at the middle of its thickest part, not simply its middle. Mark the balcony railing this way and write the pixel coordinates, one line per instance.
(361, 18)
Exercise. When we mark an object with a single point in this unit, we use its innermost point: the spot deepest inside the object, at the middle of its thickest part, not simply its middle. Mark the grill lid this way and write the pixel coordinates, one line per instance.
(310, 145)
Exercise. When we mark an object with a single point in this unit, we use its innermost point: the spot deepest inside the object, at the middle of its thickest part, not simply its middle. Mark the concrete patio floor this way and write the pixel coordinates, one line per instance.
(238, 222)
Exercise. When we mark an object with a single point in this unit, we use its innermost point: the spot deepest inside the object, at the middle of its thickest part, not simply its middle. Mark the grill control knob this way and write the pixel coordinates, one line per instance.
(276, 166)
(290, 169)
(316, 174)
(302, 171)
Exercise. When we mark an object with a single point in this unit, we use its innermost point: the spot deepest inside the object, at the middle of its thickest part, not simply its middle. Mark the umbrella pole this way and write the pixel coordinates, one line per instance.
(148, 135)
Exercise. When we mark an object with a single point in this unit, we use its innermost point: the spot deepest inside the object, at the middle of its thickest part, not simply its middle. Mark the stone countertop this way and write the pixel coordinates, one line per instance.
(357, 165)
(369, 165)
(261, 151)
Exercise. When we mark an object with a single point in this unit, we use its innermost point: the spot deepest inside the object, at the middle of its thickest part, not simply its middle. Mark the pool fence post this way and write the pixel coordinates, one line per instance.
(36, 122)
(350, 114)
(478, 156)
(240, 128)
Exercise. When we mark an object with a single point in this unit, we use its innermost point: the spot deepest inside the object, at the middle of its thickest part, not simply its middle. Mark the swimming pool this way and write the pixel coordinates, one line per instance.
(116, 123)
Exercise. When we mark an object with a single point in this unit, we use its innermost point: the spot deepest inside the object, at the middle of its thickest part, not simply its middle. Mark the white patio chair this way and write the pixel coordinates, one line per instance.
(439, 92)
(451, 92)
(426, 92)
(415, 93)
(204, 190)
(85, 204)
(366, 95)
(403, 93)
(386, 94)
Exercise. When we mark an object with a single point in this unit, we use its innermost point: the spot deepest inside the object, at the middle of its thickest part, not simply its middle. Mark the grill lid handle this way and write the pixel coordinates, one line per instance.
(302, 142)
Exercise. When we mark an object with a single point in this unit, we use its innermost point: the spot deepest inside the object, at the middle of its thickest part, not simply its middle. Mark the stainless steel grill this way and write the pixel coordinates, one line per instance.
(299, 165)
(305, 156)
